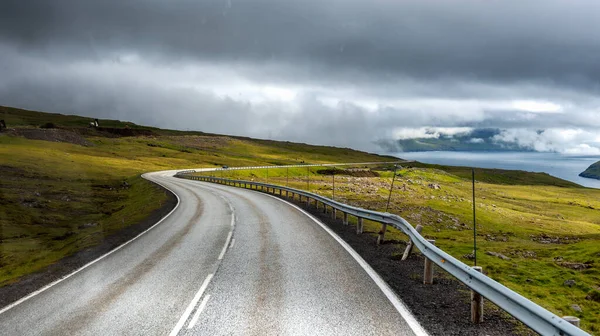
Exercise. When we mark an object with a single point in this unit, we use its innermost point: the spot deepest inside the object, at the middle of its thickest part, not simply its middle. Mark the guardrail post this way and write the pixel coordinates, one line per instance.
(428, 269)
(573, 320)
(410, 245)
(333, 213)
(345, 218)
(359, 226)
(324, 208)
(476, 303)
(381, 233)
(287, 194)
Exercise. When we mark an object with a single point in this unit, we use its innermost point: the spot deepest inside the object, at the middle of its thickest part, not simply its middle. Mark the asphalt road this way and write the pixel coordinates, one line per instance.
(225, 261)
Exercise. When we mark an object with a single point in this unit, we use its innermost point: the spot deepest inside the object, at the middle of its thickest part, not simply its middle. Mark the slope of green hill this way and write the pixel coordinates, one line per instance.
(65, 186)
(592, 171)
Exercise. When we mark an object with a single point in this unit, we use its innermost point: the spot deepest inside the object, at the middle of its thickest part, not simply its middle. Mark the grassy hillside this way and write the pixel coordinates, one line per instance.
(66, 188)
(69, 187)
(592, 171)
(546, 230)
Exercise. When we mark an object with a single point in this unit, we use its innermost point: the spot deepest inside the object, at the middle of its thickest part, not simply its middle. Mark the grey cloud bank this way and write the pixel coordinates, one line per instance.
(347, 73)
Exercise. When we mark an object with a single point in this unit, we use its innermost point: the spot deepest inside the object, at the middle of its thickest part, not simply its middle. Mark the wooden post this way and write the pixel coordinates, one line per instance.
(359, 226)
(381, 233)
(287, 194)
(476, 303)
(573, 320)
(345, 218)
(410, 245)
(324, 208)
(428, 270)
(333, 213)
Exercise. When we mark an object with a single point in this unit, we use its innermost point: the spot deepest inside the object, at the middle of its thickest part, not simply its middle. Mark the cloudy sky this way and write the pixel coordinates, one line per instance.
(340, 72)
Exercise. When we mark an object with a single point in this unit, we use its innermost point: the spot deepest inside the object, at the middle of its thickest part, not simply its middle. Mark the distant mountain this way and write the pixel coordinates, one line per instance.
(592, 171)
(483, 140)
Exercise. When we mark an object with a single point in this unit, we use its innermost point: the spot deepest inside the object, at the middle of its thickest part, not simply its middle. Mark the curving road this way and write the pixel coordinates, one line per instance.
(225, 261)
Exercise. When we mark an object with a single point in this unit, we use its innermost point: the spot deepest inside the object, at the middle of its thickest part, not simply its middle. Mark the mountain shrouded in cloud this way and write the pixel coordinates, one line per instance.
(349, 73)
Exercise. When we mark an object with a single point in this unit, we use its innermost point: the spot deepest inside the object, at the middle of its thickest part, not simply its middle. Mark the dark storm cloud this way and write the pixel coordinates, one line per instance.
(552, 41)
(355, 72)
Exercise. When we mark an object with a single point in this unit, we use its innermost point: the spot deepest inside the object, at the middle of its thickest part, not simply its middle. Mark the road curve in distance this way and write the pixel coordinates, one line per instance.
(225, 261)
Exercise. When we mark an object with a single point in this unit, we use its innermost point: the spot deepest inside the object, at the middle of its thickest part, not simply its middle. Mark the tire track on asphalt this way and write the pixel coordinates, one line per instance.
(102, 302)
(269, 288)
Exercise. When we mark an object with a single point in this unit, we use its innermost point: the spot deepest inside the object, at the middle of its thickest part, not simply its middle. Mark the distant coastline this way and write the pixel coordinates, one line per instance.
(592, 172)
(566, 167)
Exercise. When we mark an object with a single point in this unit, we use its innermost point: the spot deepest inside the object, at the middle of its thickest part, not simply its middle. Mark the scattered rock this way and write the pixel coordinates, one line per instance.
(547, 239)
(576, 308)
(496, 254)
(489, 237)
(594, 295)
(558, 259)
(523, 254)
(529, 280)
(569, 283)
(87, 225)
(434, 186)
(574, 266)
(470, 256)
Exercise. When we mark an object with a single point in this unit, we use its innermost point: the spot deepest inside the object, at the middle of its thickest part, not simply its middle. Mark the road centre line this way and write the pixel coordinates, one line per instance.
(225, 246)
(199, 311)
(191, 306)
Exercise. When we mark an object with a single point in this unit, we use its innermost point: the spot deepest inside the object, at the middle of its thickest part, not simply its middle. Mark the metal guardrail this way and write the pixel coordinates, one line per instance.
(531, 314)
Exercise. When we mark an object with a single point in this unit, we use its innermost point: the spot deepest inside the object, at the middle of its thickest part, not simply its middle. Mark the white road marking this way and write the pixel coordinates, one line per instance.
(23, 299)
(385, 288)
(232, 243)
(199, 311)
(225, 246)
(191, 306)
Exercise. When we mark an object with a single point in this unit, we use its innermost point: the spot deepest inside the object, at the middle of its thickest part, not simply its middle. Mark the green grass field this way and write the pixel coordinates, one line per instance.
(79, 185)
(548, 229)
